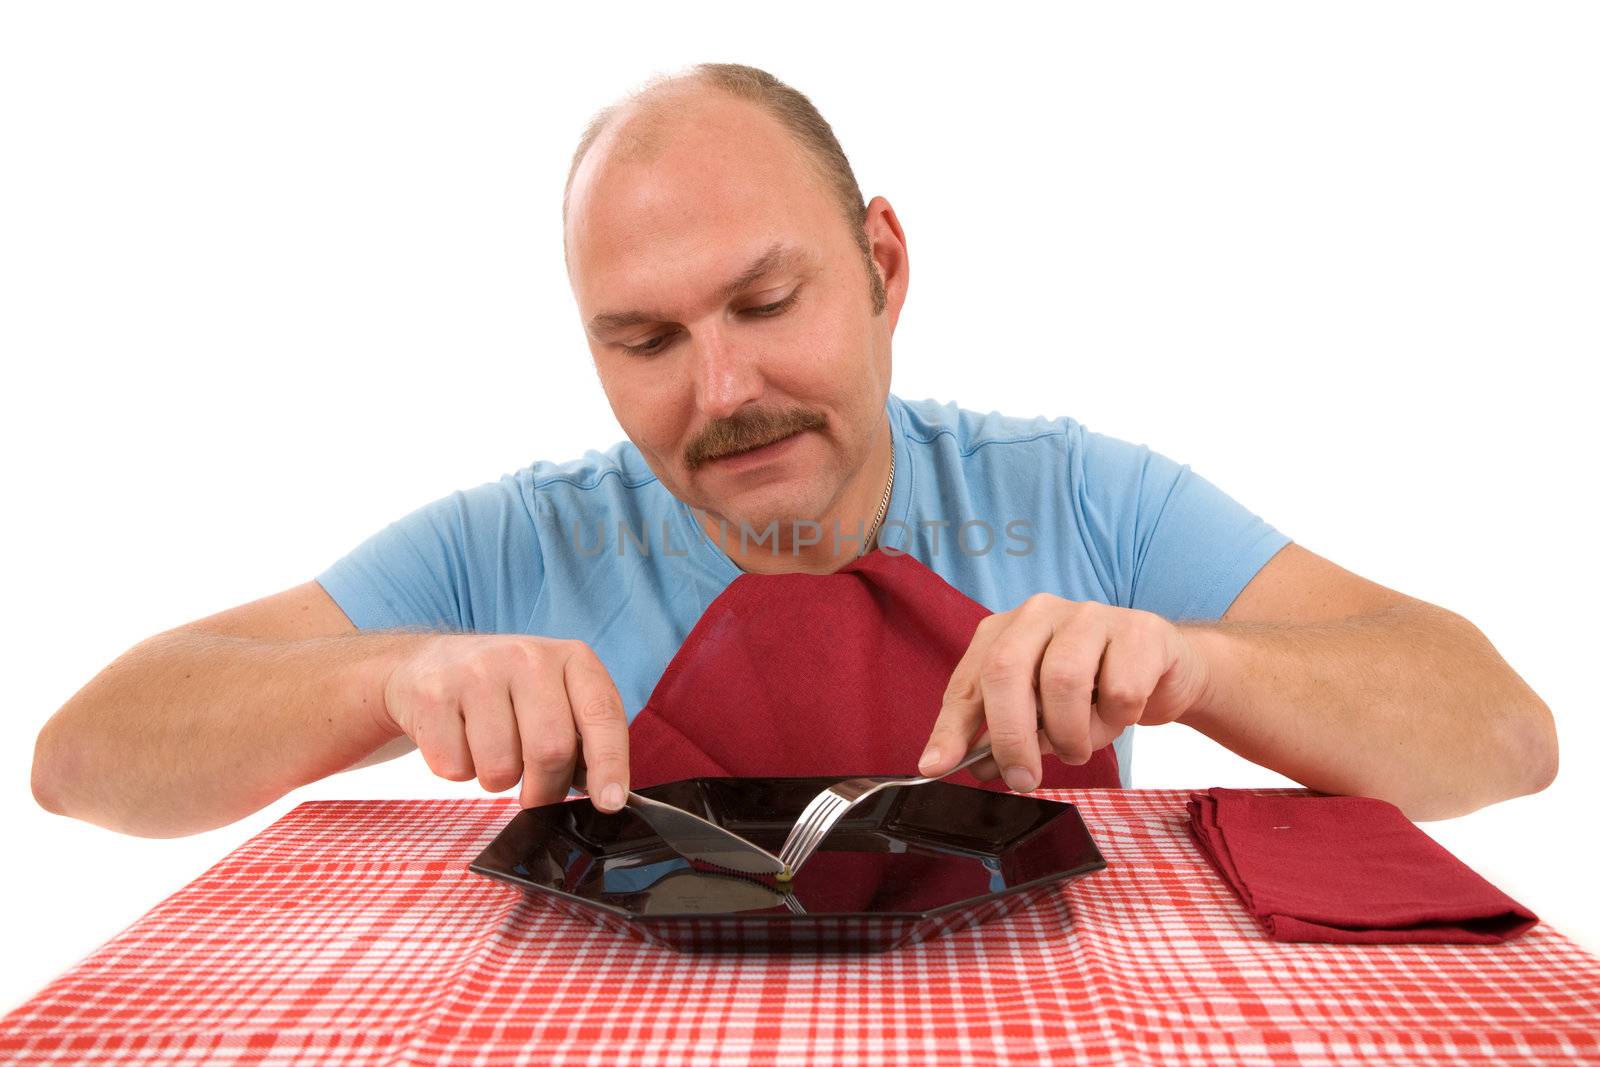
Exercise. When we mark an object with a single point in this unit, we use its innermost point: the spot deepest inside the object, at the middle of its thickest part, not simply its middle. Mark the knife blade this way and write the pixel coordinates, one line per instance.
(695, 838)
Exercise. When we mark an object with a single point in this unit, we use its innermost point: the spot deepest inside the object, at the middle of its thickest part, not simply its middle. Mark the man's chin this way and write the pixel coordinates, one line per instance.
(780, 515)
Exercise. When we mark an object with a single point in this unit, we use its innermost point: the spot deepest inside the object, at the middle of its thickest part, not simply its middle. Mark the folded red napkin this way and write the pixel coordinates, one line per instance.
(1347, 869)
(791, 675)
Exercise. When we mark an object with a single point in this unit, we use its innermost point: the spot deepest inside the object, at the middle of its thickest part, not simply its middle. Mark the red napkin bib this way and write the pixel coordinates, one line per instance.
(1346, 869)
(791, 675)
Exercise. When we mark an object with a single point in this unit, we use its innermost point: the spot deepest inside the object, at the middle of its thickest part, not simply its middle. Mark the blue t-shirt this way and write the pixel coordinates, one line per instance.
(1000, 507)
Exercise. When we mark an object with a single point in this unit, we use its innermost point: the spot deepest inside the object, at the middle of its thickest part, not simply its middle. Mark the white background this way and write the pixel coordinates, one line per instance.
(272, 276)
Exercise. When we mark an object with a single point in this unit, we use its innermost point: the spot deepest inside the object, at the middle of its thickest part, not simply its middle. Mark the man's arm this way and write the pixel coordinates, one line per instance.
(198, 726)
(1352, 688)
(1343, 685)
(202, 725)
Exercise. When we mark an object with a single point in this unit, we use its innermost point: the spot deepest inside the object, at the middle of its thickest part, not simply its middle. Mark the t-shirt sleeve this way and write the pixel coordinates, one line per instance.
(467, 562)
(1172, 542)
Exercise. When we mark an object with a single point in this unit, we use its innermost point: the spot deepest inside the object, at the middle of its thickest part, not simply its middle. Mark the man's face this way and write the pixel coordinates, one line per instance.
(728, 306)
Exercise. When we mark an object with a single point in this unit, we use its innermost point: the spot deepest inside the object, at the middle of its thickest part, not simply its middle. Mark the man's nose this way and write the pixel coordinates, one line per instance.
(727, 376)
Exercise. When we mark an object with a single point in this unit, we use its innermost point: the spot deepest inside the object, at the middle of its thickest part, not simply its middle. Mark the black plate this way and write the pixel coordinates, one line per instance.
(904, 865)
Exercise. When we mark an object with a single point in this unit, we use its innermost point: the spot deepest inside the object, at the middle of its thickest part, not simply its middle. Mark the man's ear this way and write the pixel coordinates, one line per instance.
(889, 255)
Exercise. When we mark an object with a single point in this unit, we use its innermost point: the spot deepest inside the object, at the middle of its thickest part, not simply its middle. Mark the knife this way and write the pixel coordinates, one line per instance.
(695, 838)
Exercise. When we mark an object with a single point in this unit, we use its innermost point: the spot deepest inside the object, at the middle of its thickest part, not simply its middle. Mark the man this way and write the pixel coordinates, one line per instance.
(739, 301)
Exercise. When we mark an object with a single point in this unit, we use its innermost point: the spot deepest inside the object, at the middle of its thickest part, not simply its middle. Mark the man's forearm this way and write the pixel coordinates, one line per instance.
(1412, 705)
(188, 731)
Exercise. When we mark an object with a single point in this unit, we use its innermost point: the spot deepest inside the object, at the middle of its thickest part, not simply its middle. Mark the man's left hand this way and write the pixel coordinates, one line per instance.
(1064, 676)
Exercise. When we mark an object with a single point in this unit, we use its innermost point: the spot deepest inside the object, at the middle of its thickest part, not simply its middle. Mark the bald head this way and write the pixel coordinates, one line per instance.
(712, 111)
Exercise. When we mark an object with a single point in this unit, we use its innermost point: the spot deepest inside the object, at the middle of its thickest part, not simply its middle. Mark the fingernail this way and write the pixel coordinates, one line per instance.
(929, 760)
(1020, 779)
(613, 797)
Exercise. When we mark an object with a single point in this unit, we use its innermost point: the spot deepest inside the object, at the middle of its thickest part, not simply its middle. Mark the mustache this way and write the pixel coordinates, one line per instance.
(749, 430)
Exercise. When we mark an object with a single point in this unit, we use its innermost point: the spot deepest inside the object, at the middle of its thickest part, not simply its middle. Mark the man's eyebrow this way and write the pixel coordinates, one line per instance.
(777, 256)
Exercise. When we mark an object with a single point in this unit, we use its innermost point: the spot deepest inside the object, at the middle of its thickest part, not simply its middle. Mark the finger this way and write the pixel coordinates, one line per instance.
(1066, 681)
(1100, 734)
(1181, 677)
(441, 737)
(985, 770)
(602, 728)
(960, 715)
(1129, 671)
(491, 731)
(549, 736)
(1008, 679)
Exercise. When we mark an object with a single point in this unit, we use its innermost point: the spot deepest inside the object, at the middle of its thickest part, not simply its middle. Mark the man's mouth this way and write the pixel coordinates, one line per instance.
(756, 454)
(756, 448)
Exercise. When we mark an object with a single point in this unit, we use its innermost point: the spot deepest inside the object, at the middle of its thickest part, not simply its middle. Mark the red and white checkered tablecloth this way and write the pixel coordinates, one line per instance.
(351, 932)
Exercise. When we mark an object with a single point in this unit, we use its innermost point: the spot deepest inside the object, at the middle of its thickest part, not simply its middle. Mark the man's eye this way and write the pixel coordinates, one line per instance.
(655, 344)
(658, 343)
(774, 309)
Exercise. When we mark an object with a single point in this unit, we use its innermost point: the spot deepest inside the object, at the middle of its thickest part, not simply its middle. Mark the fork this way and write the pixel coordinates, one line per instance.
(829, 806)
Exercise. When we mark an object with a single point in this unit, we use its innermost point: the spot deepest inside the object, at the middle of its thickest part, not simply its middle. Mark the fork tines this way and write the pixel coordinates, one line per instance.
(815, 822)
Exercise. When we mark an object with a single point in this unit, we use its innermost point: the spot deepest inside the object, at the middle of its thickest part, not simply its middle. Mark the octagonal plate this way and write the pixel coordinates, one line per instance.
(903, 866)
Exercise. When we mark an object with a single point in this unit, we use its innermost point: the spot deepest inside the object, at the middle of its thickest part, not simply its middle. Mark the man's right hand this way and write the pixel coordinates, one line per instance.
(503, 707)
